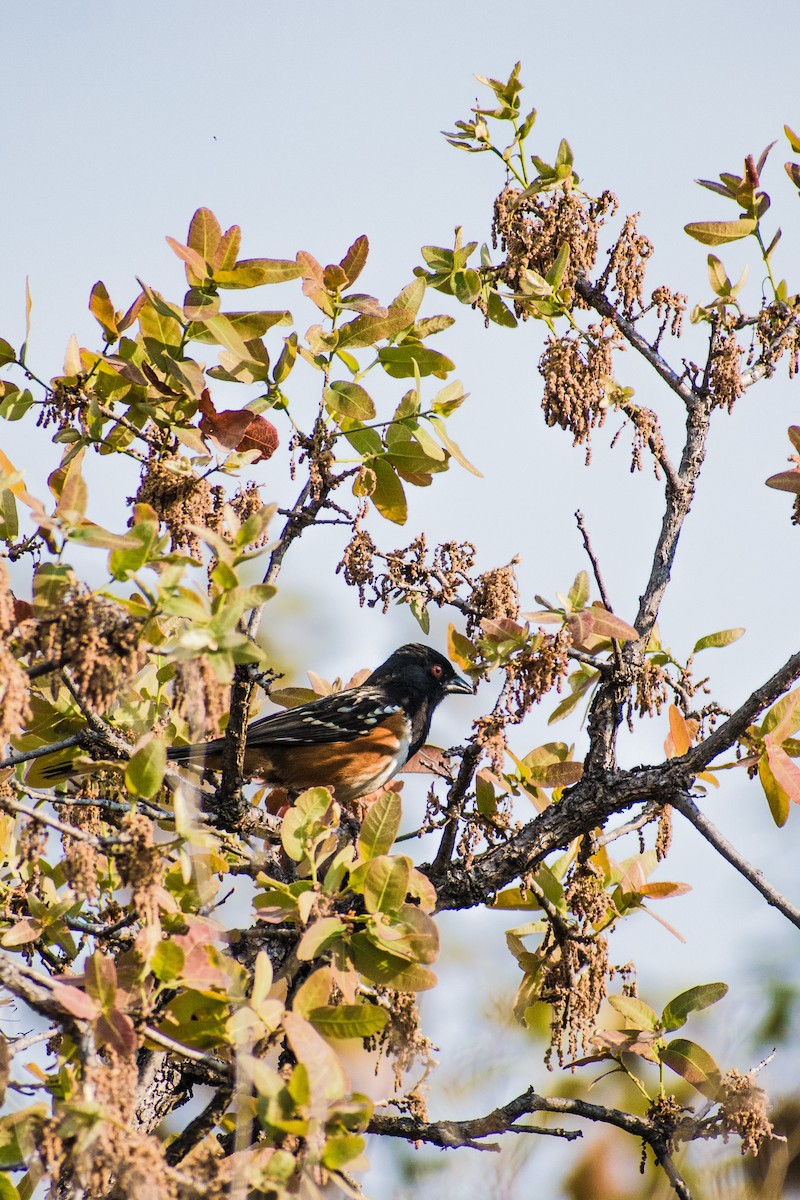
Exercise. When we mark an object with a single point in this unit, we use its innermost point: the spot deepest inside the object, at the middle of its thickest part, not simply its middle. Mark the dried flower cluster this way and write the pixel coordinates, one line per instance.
(403, 1041)
(578, 377)
(652, 692)
(199, 697)
(664, 833)
(409, 573)
(180, 499)
(725, 381)
(744, 1110)
(778, 333)
(95, 638)
(62, 405)
(494, 595)
(140, 866)
(575, 967)
(532, 229)
(627, 265)
(538, 669)
(670, 307)
(14, 708)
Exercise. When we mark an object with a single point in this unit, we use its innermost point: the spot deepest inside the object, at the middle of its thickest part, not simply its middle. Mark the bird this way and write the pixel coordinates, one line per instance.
(353, 741)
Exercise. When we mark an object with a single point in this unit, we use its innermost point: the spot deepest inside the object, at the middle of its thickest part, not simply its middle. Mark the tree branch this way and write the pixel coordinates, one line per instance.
(602, 305)
(727, 734)
(450, 1134)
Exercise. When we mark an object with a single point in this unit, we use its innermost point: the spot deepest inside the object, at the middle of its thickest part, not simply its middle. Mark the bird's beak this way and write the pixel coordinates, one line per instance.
(457, 684)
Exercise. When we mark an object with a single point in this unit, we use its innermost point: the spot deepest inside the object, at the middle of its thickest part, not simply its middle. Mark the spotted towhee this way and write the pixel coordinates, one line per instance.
(353, 741)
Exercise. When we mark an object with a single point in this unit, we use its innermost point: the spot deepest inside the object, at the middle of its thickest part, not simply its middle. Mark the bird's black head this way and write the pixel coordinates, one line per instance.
(422, 671)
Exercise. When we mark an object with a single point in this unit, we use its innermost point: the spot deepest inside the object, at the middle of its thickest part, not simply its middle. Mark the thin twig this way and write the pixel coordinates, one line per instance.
(587, 545)
(687, 807)
(79, 835)
(213, 1063)
(21, 756)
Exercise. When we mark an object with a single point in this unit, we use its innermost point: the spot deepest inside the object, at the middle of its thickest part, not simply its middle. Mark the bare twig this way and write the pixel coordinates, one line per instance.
(648, 814)
(587, 545)
(687, 807)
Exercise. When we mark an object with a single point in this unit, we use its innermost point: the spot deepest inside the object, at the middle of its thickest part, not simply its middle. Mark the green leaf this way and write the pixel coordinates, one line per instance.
(794, 139)
(7, 353)
(319, 937)
(313, 992)
(349, 400)
(578, 594)
(380, 966)
(7, 1189)
(777, 799)
(15, 403)
(340, 1149)
(703, 995)
(694, 1064)
(168, 960)
(9, 518)
(204, 234)
(402, 362)
(383, 881)
(408, 933)
(717, 233)
(453, 447)
(499, 312)
(326, 1076)
(717, 276)
(144, 773)
(724, 638)
(637, 1014)
(388, 496)
(466, 285)
(348, 1020)
(254, 272)
(380, 826)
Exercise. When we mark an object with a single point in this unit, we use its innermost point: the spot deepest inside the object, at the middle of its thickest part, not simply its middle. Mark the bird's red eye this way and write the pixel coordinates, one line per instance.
(436, 671)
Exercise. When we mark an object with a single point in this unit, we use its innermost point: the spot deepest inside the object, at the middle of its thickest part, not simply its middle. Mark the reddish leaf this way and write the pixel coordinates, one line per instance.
(115, 1028)
(681, 733)
(22, 611)
(627, 1041)
(204, 234)
(785, 772)
(606, 624)
(75, 1001)
(502, 629)
(260, 435)
(237, 429)
(196, 267)
(102, 309)
(353, 262)
(786, 481)
(429, 760)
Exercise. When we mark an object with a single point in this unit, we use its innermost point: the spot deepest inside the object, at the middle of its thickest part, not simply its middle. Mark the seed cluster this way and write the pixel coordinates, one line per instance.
(532, 229)
(14, 685)
(744, 1110)
(578, 380)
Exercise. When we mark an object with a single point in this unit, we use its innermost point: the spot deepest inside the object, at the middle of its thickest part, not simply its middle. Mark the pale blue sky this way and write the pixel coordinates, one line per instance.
(308, 124)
